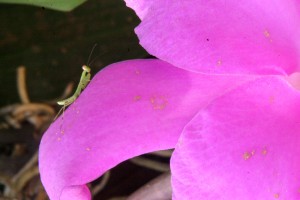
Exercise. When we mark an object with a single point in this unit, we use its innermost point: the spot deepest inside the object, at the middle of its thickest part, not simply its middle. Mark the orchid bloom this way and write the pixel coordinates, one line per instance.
(223, 93)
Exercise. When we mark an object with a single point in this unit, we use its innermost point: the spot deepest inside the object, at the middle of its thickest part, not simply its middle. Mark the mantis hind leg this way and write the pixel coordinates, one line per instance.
(65, 103)
(61, 110)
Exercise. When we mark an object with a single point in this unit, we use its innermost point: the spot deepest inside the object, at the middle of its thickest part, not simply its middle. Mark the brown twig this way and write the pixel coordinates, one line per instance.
(68, 90)
(28, 109)
(96, 189)
(163, 153)
(33, 161)
(36, 113)
(21, 82)
(25, 178)
(118, 198)
(8, 109)
(151, 164)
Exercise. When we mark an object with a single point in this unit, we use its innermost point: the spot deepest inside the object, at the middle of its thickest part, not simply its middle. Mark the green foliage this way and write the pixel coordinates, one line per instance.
(60, 5)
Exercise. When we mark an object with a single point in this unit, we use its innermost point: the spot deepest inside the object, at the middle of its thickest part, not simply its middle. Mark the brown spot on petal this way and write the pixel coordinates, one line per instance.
(247, 155)
(268, 35)
(137, 98)
(271, 99)
(276, 195)
(158, 102)
(264, 151)
(152, 100)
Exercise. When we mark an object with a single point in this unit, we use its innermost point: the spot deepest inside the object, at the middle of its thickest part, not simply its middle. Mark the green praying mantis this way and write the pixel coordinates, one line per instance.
(84, 80)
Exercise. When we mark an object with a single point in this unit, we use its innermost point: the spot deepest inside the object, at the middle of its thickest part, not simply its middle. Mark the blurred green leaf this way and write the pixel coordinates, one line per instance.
(61, 5)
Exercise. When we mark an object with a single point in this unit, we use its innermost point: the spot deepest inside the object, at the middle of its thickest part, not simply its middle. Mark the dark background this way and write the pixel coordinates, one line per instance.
(54, 45)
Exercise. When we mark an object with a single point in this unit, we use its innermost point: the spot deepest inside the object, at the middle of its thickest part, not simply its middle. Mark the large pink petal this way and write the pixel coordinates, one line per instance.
(245, 145)
(128, 109)
(222, 36)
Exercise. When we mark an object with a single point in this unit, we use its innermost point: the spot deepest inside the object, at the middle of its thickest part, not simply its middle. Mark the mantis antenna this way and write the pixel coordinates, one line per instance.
(91, 55)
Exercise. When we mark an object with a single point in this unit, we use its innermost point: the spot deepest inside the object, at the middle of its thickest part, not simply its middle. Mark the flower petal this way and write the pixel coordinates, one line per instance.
(128, 109)
(222, 36)
(139, 6)
(245, 145)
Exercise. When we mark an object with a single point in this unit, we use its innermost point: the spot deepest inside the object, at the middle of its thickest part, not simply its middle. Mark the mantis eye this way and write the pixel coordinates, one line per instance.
(86, 68)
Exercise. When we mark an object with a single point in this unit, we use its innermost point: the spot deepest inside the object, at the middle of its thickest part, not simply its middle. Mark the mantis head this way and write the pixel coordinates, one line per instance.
(86, 68)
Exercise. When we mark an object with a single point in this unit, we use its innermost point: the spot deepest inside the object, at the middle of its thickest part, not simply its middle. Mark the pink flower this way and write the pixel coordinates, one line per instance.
(219, 93)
